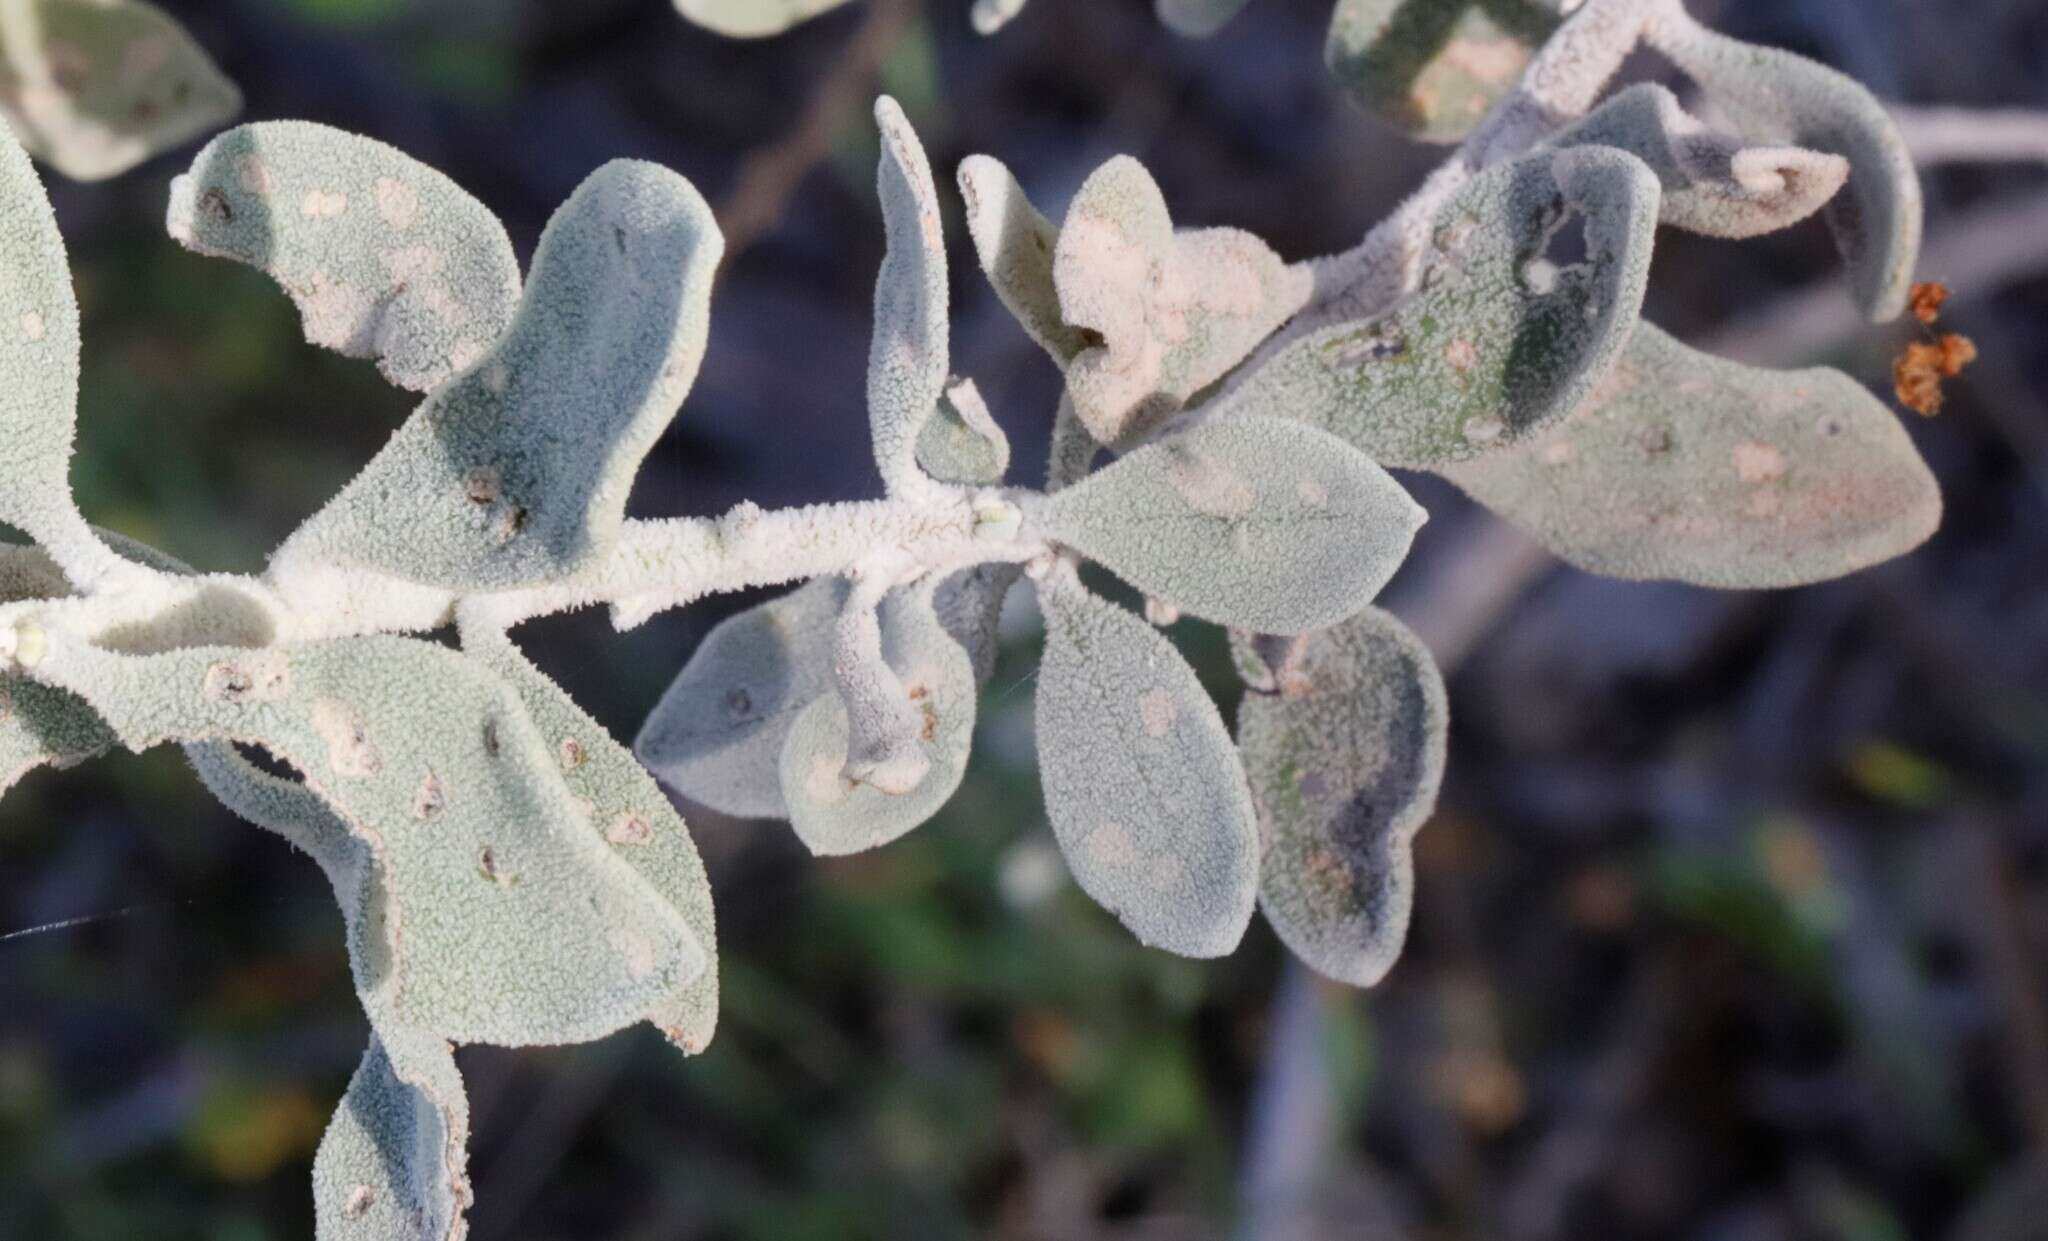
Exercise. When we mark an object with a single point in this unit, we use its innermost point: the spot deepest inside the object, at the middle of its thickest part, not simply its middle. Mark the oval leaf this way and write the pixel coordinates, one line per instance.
(1499, 342)
(94, 87)
(1254, 522)
(1143, 787)
(1344, 763)
(1696, 469)
(752, 19)
(833, 815)
(384, 257)
(717, 734)
(516, 471)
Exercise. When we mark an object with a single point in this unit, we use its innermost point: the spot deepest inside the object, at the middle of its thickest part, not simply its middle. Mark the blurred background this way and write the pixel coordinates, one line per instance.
(1729, 927)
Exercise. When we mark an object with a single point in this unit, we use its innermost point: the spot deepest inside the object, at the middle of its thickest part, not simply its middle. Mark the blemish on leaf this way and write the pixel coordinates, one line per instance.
(1462, 355)
(322, 205)
(430, 798)
(1484, 429)
(350, 751)
(571, 753)
(1209, 486)
(488, 866)
(253, 175)
(1757, 463)
(397, 202)
(482, 485)
(360, 1200)
(32, 324)
(630, 829)
(1155, 709)
(261, 676)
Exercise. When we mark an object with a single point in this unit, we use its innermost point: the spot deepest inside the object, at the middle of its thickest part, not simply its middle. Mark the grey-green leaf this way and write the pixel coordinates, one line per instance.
(515, 923)
(833, 815)
(1499, 342)
(393, 1164)
(752, 19)
(907, 359)
(1255, 522)
(516, 471)
(1198, 19)
(1142, 784)
(961, 442)
(40, 725)
(717, 734)
(385, 257)
(1714, 184)
(1015, 244)
(1777, 96)
(94, 87)
(1344, 763)
(1433, 68)
(970, 606)
(637, 823)
(1696, 469)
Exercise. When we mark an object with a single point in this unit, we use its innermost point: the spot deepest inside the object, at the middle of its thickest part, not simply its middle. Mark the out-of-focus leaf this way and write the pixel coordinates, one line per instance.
(1255, 522)
(1197, 19)
(1433, 68)
(1142, 784)
(752, 19)
(94, 87)
(1344, 763)
(1693, 468)
(385, 257)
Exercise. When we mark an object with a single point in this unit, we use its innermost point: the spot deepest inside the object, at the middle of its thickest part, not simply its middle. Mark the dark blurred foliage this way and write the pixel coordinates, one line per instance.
(1728, 929)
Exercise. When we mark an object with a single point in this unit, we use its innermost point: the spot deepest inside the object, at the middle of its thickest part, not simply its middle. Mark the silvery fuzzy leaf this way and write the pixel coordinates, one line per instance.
(1172, 313)
(1434, 68)
(1714, 184)
(961, 442)
(1015, 245)
(514, 922)
(637, 823)
(717, 734)
(393, 1165)
(907, 361)
(516, 471)
(834, 815)
(1688, 467)
(1499, 342)
(970, 605)
(1344, 762)
(1255, 522)
(752, 19)
(1779, 97)
(94, 87)
(1142, 784)
(385, 257)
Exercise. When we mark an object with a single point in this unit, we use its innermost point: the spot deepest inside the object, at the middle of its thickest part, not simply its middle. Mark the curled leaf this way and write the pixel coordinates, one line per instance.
(1714, 184)
(835, 815)
(1255, 522)
(1433, 68)
(1777, 96)
(94, 87)
(961, 443)
(1500, 342)
(385, 257)
(1344, 763)
(1172, 313)
(908, 358)
(1144, 790)
(717, 734)
(1696, 469)
(516, 471)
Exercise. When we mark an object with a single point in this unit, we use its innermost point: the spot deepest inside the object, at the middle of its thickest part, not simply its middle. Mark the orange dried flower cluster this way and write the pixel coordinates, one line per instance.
(1918, 371)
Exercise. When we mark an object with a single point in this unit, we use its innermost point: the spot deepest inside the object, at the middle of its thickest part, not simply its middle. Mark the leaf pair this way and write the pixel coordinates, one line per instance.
(1140, 317)
(541, 404)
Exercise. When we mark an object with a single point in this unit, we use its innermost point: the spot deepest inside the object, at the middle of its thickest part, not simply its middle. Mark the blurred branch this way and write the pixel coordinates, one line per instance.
(1974, 135)
(769, 178)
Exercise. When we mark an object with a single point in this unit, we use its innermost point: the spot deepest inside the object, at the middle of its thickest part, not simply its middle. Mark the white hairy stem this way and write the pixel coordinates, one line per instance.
(655, 565)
